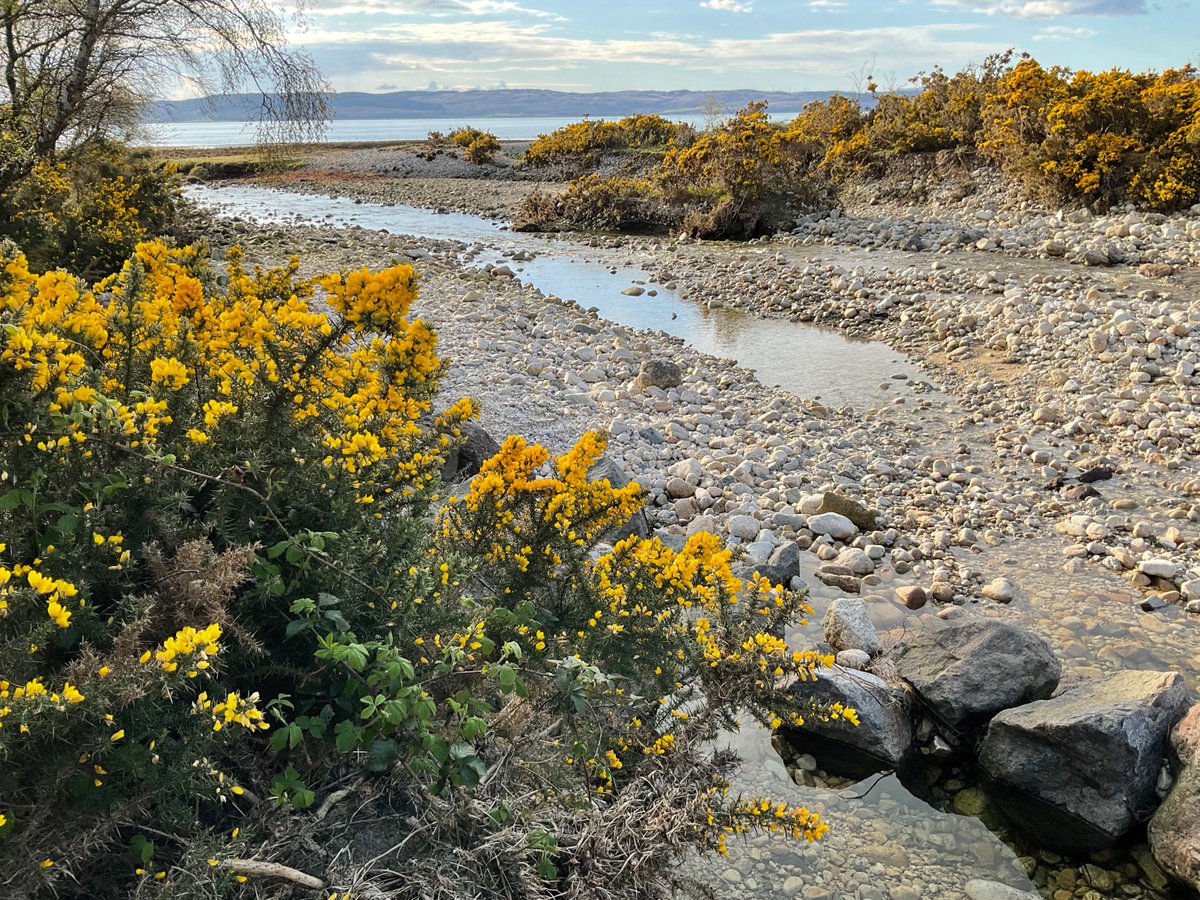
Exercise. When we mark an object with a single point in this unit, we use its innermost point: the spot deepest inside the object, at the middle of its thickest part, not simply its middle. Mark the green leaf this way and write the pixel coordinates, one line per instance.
(296, 626)
(382, 754)
(141, 850)
(348, 736)
(277, 549)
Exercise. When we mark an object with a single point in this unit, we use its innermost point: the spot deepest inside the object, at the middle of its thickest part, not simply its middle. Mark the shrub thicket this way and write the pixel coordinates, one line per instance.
(581, 141)
(1100, 139)
(225, 592)
(87, 211)
(477, 146)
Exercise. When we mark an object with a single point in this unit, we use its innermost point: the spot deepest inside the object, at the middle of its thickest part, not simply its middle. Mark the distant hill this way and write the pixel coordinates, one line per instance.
(464, 105)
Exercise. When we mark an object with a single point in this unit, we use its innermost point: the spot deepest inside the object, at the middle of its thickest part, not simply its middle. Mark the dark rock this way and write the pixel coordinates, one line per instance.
(474, 449)
(659, 373)
(1153, 604)
(881, 740)
(833, 502)
(605, 468)
(1077, 492)
(783, 564)
(912, 596)
(1079, 771)
(842, 580)
(1096, 473)
(1174, 831)
(972, 669)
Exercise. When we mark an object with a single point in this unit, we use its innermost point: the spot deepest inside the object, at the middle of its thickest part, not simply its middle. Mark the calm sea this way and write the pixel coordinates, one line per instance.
(233, 134)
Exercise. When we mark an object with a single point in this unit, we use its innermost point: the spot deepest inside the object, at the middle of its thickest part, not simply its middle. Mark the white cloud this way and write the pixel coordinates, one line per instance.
(1050, 8)
(727, 6)
(470, 51)
(1063, 33)
(829, 6)
(431, 8)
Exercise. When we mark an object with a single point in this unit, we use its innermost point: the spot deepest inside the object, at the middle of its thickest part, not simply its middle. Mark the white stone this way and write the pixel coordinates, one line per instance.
(836, 526)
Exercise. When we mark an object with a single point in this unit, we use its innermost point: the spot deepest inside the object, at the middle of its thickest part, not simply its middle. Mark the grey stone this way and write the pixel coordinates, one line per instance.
(972, 669)
(1001, 590)
(848, 626)
(840, 578)
(883, 737)
(1079, 771)
(475, 448)
(1174, 830)
(659, 373)
(856, 561)
(783, 564)
(744, 527)
(853, 659)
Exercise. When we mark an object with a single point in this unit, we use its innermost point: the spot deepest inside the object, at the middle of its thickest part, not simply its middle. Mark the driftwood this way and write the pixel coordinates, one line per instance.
(274, 870)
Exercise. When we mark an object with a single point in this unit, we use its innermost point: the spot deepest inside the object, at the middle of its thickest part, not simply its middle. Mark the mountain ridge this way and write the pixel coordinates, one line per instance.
(493, 104)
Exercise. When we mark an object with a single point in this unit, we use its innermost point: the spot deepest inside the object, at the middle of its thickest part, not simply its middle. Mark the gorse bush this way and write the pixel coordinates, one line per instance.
(477, 146)
(581, 140)
(89, 210)
(225, 588)
(1107, 138)
(1100, 139)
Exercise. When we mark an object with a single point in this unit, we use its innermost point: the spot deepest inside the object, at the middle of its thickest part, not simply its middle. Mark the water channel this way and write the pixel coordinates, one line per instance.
(885, 843)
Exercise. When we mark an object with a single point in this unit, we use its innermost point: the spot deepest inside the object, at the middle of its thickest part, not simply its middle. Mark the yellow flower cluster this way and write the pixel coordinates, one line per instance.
(197, 647)
(798, 823)
(55, 591)
(515, 511)
(233, 710)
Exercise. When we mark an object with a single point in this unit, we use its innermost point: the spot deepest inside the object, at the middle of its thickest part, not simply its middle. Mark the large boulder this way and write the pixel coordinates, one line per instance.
(972, 669)
(1079, 771)
(833, 502)
(605, 468)
(883, 738)
(1175, 829)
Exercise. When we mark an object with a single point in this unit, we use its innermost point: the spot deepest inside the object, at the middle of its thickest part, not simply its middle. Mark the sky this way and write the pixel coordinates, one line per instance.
(785, 45)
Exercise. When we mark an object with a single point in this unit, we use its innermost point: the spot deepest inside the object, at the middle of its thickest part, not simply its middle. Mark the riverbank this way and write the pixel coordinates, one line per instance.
(958, 464)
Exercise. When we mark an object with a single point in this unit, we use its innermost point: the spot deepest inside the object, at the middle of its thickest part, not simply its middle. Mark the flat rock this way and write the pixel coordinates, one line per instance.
(980, 889)
(972, 669)
(1079, 771)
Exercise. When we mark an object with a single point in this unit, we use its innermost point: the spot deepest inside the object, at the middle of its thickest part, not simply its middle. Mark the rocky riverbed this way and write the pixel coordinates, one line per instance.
(1041, 472)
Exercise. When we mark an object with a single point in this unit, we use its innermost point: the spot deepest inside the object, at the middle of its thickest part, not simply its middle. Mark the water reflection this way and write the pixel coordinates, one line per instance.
(883, 841)
(808, 361)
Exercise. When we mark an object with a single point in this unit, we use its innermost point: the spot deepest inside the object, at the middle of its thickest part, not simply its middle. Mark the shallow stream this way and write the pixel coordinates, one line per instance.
(811, 362)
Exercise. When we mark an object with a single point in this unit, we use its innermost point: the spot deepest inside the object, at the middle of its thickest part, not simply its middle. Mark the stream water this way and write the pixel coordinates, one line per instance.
(885, 843)
(810, 362)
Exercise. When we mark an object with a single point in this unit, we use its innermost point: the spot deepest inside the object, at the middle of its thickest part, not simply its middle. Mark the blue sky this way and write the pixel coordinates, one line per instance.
(595, 45)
